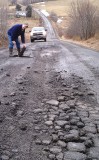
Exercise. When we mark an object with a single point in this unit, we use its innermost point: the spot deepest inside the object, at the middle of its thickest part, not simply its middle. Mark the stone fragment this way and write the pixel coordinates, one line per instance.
(80, 124)
(1, 118)
(64, 107)
(8, 74)
(4, 157)
(23, 125)
(76, 147)
(57, 127)
(71, 103)
(90, 129)
(53, 102)
(51, 156)
(38, 142)
(98, 128)
(38, 110)
(13, 94)
(37, 128)
(72, 136)
(46, 142)
(88, 143)
(74, 121)
(75, 132)
(94, 153)
(25, 93)
(96, 142)
(54, 137)
(62, 143)
(55, 150)
(7, 103)
(67, 127)
(49, 123)
(74, 156)
(59, 156)
(61, 123)
(91, 93)
(52, 117)
(61, 98)
(20, 113)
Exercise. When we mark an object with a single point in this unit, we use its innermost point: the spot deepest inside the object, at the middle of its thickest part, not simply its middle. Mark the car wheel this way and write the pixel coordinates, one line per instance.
(45, 39)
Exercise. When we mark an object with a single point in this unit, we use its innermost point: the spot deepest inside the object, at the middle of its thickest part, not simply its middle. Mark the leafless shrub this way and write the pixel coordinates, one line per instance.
(83, 19)
(59, 31)
(53, 17)
(3, 20)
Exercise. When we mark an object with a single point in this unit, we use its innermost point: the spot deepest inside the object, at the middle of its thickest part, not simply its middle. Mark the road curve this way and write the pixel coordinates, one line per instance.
(77, 59)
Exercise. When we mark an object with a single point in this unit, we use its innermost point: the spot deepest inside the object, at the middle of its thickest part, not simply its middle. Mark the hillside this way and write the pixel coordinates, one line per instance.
(61, 8)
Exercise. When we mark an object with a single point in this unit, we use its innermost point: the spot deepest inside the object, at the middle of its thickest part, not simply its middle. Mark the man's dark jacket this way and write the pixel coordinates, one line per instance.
(16, 31)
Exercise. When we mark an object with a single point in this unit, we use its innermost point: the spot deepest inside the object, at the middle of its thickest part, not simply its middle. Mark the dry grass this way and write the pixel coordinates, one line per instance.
(60, 7)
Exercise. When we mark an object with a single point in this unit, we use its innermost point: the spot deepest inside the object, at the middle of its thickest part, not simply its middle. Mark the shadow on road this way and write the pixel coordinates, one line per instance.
(22, 56)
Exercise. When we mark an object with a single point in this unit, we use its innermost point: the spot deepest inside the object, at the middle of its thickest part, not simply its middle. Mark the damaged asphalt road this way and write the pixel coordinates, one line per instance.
(49, 103)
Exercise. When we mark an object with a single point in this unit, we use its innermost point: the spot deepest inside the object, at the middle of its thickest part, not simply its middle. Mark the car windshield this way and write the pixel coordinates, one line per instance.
(38, 28)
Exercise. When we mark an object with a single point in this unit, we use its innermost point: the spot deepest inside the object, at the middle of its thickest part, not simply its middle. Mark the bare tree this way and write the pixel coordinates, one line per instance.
(3, 20)
(82, 18)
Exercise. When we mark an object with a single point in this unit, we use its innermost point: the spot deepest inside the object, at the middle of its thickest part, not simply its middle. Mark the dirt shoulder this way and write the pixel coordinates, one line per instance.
(91, 43)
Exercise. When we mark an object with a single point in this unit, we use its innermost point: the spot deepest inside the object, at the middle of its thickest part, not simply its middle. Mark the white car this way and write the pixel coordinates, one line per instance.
(38, 33)
(20, 14)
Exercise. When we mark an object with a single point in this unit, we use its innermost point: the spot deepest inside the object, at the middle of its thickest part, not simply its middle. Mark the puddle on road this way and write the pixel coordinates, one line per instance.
(48, 53)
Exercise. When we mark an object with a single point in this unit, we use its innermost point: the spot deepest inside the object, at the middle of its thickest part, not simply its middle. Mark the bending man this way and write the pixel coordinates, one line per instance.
(13, 33)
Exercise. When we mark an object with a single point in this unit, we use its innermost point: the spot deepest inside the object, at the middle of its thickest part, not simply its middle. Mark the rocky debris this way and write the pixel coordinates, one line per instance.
(64, 107)
(51, 156)
(96, 142)
(90, 129)
(2, 118)
(38, 142)
(60, 156)
(73, 132)
(46, 142)
(94, 153)
(74, 156)
(55, 150)
(38, 111)
(53, 102)
(76, 147)
(4, 157)
(13, 94)
(49, 123)
(8, 74)
(20, 113)
(54, 137)
(91, 93)
(61, 123)
(71, 123)
(62, 144)
(61, 98)
(23, 125)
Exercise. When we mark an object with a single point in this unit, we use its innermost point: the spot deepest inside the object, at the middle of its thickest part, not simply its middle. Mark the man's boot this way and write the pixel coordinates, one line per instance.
(21, 51)
(10, 52)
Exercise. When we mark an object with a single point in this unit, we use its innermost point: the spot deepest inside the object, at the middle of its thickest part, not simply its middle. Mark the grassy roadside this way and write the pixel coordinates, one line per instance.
(61, 8)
